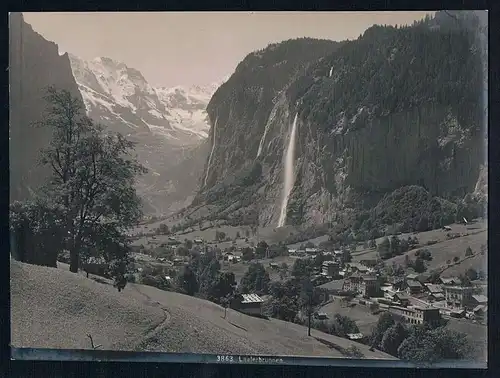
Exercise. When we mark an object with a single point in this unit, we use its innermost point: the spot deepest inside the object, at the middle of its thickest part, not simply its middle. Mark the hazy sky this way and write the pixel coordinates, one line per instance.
(185, 48)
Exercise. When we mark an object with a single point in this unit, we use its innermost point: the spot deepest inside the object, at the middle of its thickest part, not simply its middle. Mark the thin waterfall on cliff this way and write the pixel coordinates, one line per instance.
(331, 70)
(262, 140)
(211, 152)
(289, 173)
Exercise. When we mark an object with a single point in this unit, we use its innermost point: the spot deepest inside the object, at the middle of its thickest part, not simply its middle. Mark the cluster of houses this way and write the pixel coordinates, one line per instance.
(412, 296)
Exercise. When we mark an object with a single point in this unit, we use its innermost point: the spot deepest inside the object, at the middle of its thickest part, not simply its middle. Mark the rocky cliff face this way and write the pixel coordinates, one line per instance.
(398, 106)
(34, 64)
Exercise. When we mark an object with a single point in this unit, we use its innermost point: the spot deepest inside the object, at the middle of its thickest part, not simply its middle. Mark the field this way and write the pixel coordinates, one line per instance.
(364, 319)
(315, 241)
(53, 308)
(239, 269)
(447, 250)
(424, 237)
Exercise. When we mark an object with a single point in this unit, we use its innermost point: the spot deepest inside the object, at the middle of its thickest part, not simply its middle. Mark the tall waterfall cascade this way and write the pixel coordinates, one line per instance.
(211, 152)
(289, 178)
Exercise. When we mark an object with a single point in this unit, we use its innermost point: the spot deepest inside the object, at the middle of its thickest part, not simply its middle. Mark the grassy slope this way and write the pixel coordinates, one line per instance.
(53, 308)
(201, 323)
(447, 250)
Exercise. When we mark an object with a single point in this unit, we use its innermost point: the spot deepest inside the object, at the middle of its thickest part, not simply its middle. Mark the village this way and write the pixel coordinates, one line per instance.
(360, 289)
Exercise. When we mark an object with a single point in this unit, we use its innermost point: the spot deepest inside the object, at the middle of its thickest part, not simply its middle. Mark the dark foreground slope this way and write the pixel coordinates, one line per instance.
(396, 107)
(53, 308)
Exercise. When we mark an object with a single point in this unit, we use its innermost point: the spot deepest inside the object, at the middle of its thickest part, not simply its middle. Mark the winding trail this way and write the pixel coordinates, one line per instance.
(143, 341)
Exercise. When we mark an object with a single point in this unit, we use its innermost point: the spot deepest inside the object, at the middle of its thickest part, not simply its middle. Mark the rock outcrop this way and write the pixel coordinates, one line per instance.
(34, 65)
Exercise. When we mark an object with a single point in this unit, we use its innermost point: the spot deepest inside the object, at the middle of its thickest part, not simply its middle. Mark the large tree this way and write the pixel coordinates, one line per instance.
(256, 280)
(92, 180)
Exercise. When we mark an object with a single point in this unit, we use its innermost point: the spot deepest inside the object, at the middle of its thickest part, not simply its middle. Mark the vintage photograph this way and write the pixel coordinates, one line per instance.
(303, 184)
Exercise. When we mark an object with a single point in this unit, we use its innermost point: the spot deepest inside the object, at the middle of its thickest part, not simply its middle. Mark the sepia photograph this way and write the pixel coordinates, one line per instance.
(250, 187)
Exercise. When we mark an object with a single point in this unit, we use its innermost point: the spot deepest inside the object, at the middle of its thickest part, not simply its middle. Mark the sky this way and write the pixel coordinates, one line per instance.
(195, 48)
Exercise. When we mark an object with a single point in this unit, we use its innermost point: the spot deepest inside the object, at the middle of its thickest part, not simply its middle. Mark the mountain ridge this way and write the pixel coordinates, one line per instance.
(357, 138)
(168, 125)
(112, 89)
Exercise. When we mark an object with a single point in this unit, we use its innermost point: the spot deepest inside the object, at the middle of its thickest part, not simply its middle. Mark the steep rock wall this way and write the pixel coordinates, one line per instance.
(34, 65)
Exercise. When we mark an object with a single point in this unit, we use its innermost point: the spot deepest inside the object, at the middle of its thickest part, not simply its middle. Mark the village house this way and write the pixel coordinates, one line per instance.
(370, 263)
(320, 316)
(458, 297)
(274, 266)
(250, 304)
(423, 278)
(480, 312)
(338, 254)
(402, 298)
(435, 292)
(387, 290)
(417, 315)
(449, 281)
(413, 287)
(334, 287)
(411, 277)
(356, 267)
(330, 268)
(312, 251)
(371, 286)
(397, 283)
(355, 336)
(479, 300)
(364, 285)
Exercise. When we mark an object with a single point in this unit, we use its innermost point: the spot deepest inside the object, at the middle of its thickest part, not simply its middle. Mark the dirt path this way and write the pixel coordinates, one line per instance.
(140, 346)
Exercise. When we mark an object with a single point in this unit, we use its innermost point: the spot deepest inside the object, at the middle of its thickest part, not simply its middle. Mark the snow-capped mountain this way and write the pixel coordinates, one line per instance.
(167, 124)
(120, 97)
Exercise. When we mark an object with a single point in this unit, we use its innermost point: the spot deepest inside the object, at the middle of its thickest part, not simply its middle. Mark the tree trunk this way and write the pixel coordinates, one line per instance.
(73, 260)
(309, 324)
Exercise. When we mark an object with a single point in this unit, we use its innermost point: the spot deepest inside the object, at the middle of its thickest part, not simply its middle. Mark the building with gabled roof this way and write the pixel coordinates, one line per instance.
(479, 299)
(250, 304)
(413, 287)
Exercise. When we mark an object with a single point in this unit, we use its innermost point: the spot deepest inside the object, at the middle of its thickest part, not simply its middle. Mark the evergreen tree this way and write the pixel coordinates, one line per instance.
(384, 248)
(393, 338)
(419, 265)
(395, 246)
(385, 321)
(187, 282)
(256, 280)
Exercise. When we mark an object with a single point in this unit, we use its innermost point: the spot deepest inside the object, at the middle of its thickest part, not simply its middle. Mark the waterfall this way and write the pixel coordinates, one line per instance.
(261, 144)
(289, 173)
(331, 70)
(266, 130)
(211, 152)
